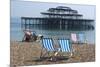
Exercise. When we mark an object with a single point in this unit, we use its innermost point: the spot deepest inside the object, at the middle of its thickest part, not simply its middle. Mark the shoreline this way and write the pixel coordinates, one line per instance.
(11, 41)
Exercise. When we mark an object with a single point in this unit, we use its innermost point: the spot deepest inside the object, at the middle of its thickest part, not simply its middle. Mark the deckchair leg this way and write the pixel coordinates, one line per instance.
(42, 55)
(71, 54)
(41, 52)
(48, 53)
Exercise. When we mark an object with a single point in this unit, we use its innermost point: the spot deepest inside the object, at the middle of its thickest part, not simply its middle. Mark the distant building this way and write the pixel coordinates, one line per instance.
(62, 17)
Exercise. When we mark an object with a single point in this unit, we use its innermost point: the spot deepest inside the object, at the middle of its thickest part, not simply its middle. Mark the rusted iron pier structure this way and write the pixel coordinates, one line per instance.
(62, 17)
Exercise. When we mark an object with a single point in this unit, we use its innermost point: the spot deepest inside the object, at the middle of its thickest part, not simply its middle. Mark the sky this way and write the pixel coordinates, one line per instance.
(33, 9)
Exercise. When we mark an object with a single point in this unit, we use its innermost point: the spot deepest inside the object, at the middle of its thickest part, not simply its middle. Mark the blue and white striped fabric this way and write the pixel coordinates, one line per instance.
(48, 44)
(65, 45)
(81, 37)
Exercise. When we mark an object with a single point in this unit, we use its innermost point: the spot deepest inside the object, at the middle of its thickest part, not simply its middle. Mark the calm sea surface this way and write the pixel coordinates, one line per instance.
(16, 32)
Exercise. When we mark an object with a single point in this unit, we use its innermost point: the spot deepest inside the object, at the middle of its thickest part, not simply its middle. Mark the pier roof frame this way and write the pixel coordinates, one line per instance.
(45, 18)
(63, 9)
(47, 13)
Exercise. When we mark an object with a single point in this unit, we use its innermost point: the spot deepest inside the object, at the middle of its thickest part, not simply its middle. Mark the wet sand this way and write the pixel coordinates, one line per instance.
(25, 54)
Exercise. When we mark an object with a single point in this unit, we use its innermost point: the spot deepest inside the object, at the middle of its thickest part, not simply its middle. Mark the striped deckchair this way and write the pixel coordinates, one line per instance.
(47, 44)
(81, 38)
(74, 37)
(65, 45)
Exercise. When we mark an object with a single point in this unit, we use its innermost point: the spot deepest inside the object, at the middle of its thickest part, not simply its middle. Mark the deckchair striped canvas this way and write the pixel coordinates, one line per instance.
(81, 37)
(74, 37)
(65, 45)
(48, 44)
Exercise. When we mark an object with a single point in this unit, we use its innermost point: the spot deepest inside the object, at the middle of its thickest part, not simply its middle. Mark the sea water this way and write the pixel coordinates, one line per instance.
(16, 31)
